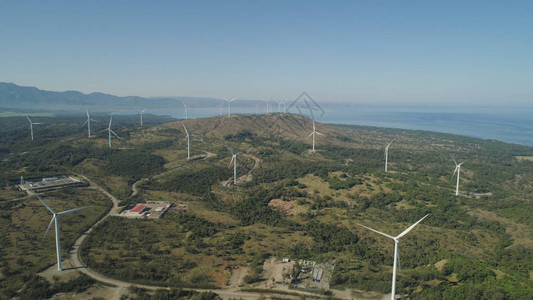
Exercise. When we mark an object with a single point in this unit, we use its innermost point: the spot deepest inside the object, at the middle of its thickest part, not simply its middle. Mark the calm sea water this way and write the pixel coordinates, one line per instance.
(507, 124)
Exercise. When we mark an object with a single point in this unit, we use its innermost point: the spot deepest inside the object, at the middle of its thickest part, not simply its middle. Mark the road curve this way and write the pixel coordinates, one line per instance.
(76, 262)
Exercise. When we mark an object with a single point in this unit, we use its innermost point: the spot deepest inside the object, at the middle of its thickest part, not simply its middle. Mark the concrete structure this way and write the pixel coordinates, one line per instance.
(49, 183)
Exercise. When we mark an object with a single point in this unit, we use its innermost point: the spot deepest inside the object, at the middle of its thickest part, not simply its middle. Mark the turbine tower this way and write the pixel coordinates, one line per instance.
(56, 221)
(88, 123)
(234, 160)
(229, 105)
(188, 142)
(186, 110)
(458, 170)
(142, 112)
(31, 126)
(396, 251)
(314, 133)
(110, 131)
(387, 155)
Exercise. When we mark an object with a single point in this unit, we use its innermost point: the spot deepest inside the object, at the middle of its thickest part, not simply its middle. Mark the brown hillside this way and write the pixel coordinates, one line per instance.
(289, 126)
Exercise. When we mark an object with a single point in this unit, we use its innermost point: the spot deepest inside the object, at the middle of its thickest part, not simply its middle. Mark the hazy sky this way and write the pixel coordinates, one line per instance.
(402, 52)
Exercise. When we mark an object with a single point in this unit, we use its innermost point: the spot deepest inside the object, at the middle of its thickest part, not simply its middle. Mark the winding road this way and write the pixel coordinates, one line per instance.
(76, 261)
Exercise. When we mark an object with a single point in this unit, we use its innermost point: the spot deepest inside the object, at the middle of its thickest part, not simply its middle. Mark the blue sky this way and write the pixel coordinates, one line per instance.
(400, 52)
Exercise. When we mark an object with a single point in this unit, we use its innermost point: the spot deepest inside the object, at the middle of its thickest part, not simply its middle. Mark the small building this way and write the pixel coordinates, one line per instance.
(139, 209)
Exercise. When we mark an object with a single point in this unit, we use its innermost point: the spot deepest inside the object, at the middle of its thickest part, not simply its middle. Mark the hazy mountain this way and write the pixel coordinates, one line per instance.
(23, 98)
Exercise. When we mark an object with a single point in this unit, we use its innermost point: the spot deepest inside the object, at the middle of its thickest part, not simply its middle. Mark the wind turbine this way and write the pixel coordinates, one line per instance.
(234, 160)
(110, 131)
(56, 221)
(88, 123)
(387, 155)
(314, 133)
(458, 170)
(396, 251)
(186, 110)
(284, 106)
(229, 105)
(31, 126)
(142, 112)
(188, 142)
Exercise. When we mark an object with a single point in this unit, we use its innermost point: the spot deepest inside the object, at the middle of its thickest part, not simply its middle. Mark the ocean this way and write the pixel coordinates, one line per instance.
(506, 124)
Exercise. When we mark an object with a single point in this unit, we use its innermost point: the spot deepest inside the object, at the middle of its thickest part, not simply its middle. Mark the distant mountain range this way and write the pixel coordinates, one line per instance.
(29, 99)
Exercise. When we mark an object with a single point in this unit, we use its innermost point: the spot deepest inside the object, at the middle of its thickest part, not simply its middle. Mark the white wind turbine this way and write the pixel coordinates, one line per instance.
(458, 170)
(234, 160)
(188, 142)
(31, 126)
(396, 251)
(284, 106)
(387, 155)
(229, 105)
(186, 110)
(88, 123)
(142, 112)
(314, 133)
(110, 131)
(56, 221)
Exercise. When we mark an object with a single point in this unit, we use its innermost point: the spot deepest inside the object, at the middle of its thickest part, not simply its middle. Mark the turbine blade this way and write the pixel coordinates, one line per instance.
(389, 236)
(85, 122)
(454, 171)
(411, 227)
(110, 119)
(310, 134)
(28, 118)
(454, 161)
(113, 133)
(87, 113)
(230, 161)
(42, 201)
(185, 128)
(390, 143)
(72, 210)
(319, 133)
(48, 228)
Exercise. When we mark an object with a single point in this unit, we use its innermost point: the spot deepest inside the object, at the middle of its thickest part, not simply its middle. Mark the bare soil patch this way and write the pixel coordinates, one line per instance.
(286, 207)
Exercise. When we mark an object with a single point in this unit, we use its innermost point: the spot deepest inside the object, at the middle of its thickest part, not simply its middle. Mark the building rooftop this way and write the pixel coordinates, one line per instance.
(138, 208)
